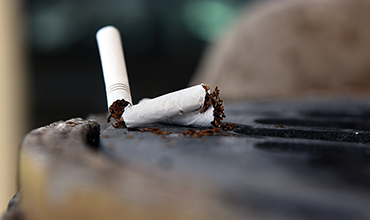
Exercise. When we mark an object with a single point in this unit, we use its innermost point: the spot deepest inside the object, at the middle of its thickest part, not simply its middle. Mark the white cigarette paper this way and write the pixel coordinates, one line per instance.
(113, 64)
(195, 118)
(181, 107)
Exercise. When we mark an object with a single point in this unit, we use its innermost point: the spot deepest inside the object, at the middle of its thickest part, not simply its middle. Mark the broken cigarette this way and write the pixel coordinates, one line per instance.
(181, 107)
(113, 64)
(194, 118)
(193, 106)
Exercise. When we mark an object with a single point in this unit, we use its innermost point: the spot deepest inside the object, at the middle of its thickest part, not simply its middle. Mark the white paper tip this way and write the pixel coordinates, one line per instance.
(113, 64)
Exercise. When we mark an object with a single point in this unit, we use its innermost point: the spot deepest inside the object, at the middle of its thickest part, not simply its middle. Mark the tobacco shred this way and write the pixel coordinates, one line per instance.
(156, 131)
(228, 126)
(217, 103)
(192, 132)
(116, 110)
(201, 133)
(211, 131)
(150, 129)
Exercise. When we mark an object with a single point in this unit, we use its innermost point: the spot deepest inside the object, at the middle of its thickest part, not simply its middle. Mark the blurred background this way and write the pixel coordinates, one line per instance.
(50, 67)
(163, 41)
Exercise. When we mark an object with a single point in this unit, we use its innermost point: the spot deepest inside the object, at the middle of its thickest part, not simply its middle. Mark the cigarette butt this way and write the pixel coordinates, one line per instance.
(194, 106)
(181, 107)
(113, 64)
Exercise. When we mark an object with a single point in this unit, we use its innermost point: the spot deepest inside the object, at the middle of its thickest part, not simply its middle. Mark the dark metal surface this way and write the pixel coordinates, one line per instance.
(287, 160)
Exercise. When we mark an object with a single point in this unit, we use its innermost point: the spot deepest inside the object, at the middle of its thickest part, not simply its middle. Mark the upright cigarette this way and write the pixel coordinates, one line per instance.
(113, 63)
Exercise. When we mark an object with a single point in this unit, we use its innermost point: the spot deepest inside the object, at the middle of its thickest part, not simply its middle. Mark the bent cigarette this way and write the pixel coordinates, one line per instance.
(194, 118)
(184, 107)
(166, 107)
(113, 64)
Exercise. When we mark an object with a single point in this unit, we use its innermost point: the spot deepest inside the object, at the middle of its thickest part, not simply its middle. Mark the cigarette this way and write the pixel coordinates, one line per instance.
(113, 64)
(186, 107)
(194, 106)
(193, 118)
(172, 108)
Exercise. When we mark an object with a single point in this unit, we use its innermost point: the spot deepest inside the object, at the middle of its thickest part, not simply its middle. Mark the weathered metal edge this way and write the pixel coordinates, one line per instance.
(63, 176)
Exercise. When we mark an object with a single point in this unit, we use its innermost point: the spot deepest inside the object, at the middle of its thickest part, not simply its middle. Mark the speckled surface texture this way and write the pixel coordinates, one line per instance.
(295, 159)
(300, 159)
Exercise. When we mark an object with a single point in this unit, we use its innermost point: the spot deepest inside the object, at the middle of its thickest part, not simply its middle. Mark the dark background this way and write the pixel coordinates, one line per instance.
(163, 42)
